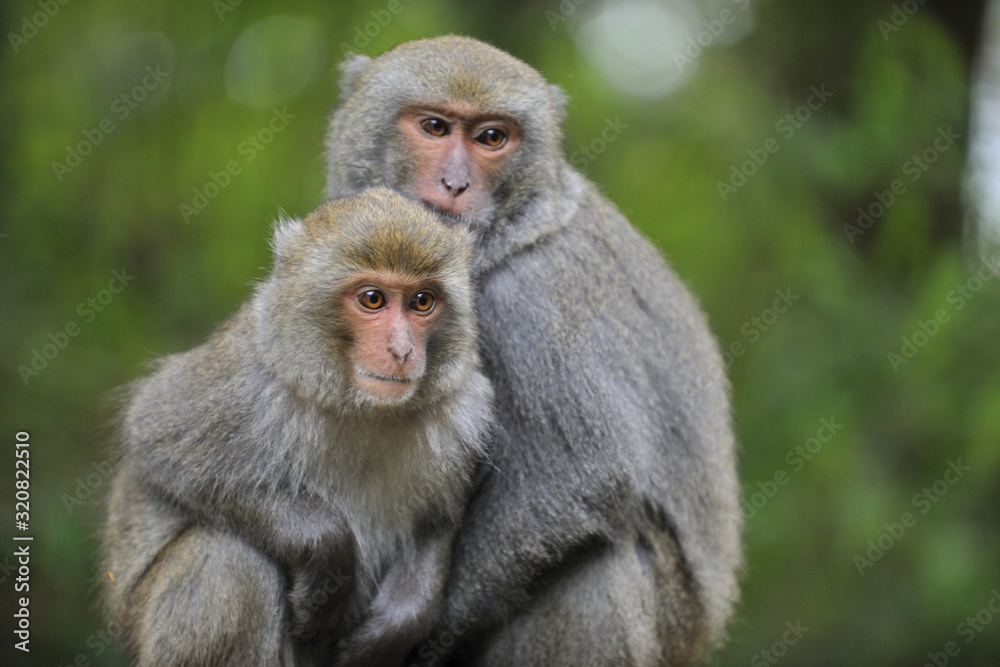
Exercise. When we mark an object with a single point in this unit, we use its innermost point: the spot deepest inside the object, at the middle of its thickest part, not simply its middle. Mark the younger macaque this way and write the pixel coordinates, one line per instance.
(290, 489)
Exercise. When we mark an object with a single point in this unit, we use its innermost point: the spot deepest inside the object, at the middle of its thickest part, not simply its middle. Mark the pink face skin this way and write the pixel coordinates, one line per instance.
(391, 317)
(455, 150)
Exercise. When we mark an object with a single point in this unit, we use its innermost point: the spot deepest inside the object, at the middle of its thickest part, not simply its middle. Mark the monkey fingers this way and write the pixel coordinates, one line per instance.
(408, 603)
(386, 636)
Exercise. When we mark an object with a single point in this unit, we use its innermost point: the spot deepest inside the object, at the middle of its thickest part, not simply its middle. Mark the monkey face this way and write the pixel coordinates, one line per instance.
(467, 129)
(390, 318)
(457, 153)
(370, 305)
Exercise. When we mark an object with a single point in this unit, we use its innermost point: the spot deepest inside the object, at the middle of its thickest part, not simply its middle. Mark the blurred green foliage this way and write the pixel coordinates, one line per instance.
(223, 73)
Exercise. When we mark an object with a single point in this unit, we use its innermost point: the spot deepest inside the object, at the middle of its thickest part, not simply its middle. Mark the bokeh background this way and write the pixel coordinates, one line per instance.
(823, 175)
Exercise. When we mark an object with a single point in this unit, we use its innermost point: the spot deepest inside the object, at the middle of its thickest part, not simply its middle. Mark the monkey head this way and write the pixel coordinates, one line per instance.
(370, 300)
(467, 129)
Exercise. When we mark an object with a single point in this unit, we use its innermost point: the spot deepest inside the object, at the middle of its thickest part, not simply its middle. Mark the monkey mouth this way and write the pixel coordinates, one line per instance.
(387, 389)
(382, 378)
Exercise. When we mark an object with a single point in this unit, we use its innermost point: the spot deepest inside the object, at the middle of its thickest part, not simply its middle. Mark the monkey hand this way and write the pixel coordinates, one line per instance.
(396, 621)
(385, 637)
(408, 604)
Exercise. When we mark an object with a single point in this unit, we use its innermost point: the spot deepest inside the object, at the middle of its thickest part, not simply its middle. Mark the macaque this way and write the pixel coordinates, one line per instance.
(290, 489)
(606, 530)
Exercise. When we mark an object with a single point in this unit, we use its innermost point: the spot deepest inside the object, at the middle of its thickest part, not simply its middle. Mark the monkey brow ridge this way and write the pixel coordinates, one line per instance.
(399, 250)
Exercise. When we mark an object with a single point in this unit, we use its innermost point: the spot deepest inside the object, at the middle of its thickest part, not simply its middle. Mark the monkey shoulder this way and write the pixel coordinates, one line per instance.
(594, 268)
(594, 315)
(196, 402)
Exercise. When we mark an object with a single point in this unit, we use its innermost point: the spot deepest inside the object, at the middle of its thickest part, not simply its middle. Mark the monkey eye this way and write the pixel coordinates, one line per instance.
(422, 302)
(372, 299)
(434, 127)
(492, 137)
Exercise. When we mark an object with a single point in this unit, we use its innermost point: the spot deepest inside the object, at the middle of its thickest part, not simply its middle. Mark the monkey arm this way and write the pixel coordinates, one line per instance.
(203, 451)
(308, 537)
(615, 429)
(542, 503)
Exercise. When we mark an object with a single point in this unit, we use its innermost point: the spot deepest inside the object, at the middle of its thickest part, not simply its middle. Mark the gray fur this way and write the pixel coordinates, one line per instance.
(607, 530)
(267, 513)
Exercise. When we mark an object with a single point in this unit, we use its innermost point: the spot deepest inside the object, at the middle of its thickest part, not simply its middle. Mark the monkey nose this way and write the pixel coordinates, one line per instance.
(400, 353)
(455, 187)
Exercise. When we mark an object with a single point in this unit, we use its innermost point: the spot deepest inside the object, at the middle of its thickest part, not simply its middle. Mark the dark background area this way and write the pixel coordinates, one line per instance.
(862, 350)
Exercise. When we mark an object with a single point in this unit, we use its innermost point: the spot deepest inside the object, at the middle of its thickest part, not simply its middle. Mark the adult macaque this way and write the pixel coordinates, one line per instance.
(290, 489)
(607, 529)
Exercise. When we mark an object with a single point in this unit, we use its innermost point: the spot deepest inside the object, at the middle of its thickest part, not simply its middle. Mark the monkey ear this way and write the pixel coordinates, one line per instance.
(350, 69)
(288, 236)
(558, 98)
